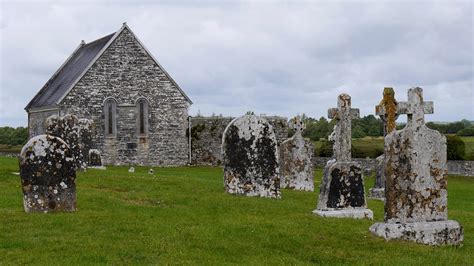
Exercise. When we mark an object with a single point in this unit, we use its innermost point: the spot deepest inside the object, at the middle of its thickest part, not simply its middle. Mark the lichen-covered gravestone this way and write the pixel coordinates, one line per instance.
(415, 170)
(342, 188)
(85, 139)
(47, 175)
(67, 128)
(388, 112)
(250, 157)
(296, 160)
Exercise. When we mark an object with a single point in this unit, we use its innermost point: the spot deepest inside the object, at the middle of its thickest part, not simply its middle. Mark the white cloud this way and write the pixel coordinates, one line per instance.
(273, 58)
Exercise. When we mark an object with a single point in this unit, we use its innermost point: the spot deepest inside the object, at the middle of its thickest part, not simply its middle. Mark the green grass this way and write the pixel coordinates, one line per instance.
(182, 216)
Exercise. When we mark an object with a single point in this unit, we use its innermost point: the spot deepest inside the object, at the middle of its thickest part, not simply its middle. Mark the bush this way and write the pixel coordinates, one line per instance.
(325, 150)
(456, 148)
(466, 132)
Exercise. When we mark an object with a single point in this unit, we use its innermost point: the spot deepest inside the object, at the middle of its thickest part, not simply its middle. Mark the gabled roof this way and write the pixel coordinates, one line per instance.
(76, 66)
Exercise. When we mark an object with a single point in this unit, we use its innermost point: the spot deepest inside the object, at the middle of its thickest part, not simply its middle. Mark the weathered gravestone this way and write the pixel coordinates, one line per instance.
(342, 188)
(296, 160)
(250, 158)
(47, 170)
(85, 139)
(67, 128)
(415, 171)
(387, 110)
(95, 159)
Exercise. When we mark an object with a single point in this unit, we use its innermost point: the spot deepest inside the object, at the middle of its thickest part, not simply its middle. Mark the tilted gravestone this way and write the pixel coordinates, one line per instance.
(416, 187)
(342, 188)
(47, 170)
(296, 160)
(250, 157)
(388, 112)
(67, 128)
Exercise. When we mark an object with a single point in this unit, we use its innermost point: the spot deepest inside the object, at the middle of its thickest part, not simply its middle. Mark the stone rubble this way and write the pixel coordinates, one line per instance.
(296, 160)
(416, 184)
(47, 171)
(342, 187)
(250, 158)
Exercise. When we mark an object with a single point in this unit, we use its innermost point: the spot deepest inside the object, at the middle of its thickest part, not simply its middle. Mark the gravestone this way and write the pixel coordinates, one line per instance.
(387, 110)
(296, 160)
(85, 139)
(47, 170)
(67, 128)
(342, 188)
(95, 159)
(416, 186)
(250, 157)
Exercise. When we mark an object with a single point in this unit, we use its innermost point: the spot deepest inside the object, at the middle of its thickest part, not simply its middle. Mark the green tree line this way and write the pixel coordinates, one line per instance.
(372, 126)
(13, 136)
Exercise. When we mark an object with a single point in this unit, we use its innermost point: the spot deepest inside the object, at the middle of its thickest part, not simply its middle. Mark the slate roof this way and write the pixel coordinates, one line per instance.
(61, 81)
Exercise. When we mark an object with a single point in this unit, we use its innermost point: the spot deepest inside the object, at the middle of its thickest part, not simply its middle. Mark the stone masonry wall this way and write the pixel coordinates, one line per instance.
(207, 133)
(126, 73)
(36, 122)
(464, 168)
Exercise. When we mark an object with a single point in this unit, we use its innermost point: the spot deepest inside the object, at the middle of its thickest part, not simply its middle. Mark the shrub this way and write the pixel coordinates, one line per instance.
(469, 131)
(456, 148)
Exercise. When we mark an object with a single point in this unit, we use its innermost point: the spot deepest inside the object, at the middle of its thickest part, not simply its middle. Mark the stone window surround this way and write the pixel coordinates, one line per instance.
(146, 116)
(106, 117)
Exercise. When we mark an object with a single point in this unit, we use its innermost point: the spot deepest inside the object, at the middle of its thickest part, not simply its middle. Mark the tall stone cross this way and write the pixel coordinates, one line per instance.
(415, 108)
(343, 115)
(387, 110)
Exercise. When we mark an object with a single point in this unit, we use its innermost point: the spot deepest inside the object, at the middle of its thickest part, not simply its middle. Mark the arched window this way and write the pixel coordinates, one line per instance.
(142, 117)
(110, 117)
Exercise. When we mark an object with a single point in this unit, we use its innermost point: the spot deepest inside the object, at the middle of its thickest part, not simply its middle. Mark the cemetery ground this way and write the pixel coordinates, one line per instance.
(183, 215)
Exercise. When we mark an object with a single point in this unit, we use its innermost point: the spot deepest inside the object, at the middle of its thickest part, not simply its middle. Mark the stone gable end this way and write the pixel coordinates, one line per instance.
(126, 73)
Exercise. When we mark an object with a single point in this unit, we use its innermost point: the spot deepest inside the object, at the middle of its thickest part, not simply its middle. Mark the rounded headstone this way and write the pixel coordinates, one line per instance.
(47, 170)
(250, 158)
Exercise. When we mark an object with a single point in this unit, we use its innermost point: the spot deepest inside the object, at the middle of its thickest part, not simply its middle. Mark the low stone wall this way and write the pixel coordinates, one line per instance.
(464, 168)
(206, 137)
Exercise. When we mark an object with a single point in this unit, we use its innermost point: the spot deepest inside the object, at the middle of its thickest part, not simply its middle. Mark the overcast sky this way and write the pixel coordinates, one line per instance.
(277, 58)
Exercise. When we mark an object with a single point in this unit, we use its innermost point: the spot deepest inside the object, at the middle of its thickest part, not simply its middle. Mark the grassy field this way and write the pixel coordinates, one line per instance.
(372, 145)
(182, 216)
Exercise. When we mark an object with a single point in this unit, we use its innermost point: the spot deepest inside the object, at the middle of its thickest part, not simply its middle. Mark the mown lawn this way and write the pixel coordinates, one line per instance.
(182, 216)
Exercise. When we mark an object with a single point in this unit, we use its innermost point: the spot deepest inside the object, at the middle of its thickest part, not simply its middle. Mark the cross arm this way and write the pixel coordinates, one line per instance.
(333, 113)
(354, 113)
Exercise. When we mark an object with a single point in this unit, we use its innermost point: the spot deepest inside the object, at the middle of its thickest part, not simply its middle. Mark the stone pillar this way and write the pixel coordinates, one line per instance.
(342, 188)
(250, 157)
(296, 160)
(416, 187)
(388, 112)
(47, 171)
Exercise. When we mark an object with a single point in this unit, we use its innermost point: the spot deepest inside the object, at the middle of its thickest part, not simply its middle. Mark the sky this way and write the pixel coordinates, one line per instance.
(269, 57)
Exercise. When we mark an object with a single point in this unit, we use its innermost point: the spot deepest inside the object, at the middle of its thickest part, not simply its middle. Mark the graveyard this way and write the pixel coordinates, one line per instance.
(182, 215)
(329, 143)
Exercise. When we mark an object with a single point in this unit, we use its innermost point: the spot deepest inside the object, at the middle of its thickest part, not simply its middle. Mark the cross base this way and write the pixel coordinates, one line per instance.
(353, 213)
(434, 233)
